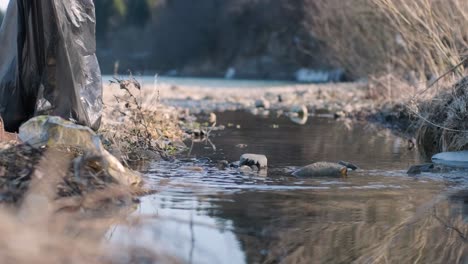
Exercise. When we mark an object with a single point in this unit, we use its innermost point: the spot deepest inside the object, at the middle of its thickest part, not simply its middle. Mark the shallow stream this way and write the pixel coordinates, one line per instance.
(378, 214)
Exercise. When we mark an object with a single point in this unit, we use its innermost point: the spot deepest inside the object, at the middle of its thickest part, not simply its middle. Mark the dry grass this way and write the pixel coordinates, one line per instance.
(434, 33)
(416, 40)
(444, 124)
(355, 36)
(413, 52)
(137, 125)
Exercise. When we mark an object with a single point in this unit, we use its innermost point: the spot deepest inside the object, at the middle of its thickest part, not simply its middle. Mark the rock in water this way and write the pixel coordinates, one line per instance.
(348, 165)
(245, 169)
(260, 161)
(299, 114)
(452, 159)
(300, 110)
(418, 169)
(322, 169)
(54, 131)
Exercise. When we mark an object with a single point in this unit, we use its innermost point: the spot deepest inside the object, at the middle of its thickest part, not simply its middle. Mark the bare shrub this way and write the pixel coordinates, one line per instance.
(137, 125)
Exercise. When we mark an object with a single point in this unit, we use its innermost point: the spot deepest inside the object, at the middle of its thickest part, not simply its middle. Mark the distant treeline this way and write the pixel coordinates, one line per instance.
(1, 16)
(259, 39)
(250, 38)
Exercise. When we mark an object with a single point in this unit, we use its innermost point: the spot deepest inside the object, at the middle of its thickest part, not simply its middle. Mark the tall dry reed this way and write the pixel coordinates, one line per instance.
(418, 40)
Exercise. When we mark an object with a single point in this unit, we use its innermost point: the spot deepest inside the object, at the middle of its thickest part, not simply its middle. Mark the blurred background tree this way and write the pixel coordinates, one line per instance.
(273, 39)
(204, 38)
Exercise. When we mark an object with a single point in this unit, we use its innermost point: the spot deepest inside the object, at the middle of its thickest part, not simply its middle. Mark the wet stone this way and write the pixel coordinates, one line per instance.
(245, 169)
(322, 169)
(258, 160)
(418, 169)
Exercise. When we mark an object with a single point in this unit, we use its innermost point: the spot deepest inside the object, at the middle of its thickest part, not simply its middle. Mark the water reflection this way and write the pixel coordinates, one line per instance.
(300, 120)
(179, 225)
(320, 139)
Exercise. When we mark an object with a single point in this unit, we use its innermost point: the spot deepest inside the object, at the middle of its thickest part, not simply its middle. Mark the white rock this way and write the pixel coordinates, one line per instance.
(254, 159)
(452, 159)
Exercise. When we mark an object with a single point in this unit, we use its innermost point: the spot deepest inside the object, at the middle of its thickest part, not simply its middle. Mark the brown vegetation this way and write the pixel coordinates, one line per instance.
(444, 125)
(408, 49)
(62, 214)
(417, 40)
(136, 125)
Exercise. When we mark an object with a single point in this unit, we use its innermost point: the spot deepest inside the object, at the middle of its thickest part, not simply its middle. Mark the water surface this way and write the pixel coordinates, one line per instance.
(377, 215)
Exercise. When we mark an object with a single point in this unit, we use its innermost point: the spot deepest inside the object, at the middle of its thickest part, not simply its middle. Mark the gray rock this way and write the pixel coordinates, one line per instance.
(301, 110)
(322, 169)
(418, 169)
(299, 114)
(299, 120)
(262, 103)
(260, 161)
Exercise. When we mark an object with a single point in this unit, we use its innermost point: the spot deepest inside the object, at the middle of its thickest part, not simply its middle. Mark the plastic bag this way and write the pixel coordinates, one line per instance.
(48, 63)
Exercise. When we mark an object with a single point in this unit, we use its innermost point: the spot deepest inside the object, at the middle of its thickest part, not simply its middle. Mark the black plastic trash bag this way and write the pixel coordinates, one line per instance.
(48, 63)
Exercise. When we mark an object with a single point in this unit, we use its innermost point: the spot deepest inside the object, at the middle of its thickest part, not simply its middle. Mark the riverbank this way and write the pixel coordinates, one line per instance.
(356, 101)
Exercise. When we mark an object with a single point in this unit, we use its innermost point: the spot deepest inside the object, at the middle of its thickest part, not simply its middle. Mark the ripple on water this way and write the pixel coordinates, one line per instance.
(209, 216)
